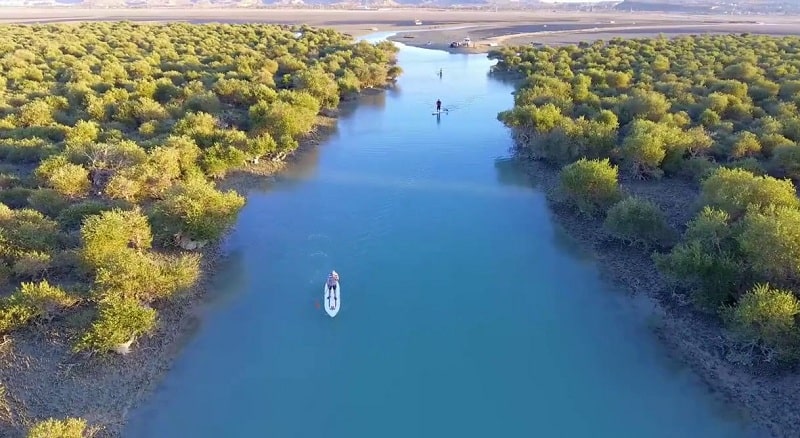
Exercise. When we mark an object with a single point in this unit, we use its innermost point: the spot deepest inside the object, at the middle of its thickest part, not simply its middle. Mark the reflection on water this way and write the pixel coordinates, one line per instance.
(394, 91)
(231, 280)
(304, 166)
(373, 98)
(503, 78)
(510, 172)
(565, 242)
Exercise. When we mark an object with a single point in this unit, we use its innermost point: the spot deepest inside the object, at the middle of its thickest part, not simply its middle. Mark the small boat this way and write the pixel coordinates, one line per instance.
(332, 298)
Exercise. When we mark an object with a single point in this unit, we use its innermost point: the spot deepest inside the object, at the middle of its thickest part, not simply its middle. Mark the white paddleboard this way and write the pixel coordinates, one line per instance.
(332, 299)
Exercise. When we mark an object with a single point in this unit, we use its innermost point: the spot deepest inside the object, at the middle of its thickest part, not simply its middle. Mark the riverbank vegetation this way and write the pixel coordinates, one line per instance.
(718, 111)
(112, 139)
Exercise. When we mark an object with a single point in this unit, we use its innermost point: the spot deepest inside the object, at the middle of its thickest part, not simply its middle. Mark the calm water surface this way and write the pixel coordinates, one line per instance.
(465, 313)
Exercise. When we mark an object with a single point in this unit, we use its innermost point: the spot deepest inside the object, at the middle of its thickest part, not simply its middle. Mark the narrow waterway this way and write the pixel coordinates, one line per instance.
(466, 312)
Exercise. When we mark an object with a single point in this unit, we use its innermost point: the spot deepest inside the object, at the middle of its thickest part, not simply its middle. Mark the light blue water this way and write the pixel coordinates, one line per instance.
(464, 313)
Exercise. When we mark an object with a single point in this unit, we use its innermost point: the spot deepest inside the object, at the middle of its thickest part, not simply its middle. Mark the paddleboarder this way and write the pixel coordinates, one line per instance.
(333, 278)
(438, 105)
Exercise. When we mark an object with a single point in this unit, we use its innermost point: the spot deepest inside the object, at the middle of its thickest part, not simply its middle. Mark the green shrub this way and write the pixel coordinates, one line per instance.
(217, 160)
(15, 197)
(52, 428)
(319, 84)
(8, 180)
(786, 161)
(745, 145)
(707, 262)
(83, 133)
(175, 274)
(120, 320)
(197, 210)
(736, 190)
(114, 153)
(146, 277)
(283, 118)
(637, 220)
(126, 185)
(31, 264)
(749, 164)
(591, 185)
(66, 178)
(72, 216)
(24, 150)
(48, 202)
(111, 232)
(771, 242)
(32, 300)
(263, 145)
(27, 230)
(767, 316)
(770, 142)
(188, 153)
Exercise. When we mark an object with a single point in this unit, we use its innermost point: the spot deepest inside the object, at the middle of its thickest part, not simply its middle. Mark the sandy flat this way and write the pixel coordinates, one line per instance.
(439, 27)
(558, 29)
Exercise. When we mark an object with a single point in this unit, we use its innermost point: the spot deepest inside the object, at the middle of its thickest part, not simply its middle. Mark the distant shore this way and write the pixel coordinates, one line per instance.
(438, 28)
(485, 37)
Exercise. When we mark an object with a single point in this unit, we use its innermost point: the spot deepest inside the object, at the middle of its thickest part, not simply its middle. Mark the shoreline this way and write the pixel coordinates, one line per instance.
(763, 394)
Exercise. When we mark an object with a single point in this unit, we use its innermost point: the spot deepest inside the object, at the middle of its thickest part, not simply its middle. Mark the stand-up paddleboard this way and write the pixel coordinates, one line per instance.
(332, 299)
(436, 113)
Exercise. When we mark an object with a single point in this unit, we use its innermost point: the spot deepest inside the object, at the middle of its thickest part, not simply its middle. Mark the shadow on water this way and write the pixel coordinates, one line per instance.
(505, 79)
(373, 98)
(229, 280)
(305, 162)
(511, 173)
(304, 166)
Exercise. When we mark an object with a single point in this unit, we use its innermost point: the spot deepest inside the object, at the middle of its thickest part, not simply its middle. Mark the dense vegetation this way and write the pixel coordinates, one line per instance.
(111, 137)
(718, 110)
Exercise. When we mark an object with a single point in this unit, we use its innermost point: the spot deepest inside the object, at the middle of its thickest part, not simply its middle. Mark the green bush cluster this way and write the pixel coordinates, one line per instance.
(111, 136)
(657, 106)
(591, 185)
(32, 300)
(747, 234)
(720, 110)
(638, 221)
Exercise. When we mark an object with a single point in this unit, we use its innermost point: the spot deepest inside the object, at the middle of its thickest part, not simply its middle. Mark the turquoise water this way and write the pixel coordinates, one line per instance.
(466, 312)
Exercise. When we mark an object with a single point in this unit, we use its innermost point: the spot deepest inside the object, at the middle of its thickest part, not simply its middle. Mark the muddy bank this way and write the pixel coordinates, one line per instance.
(765, 395)
(43, 378)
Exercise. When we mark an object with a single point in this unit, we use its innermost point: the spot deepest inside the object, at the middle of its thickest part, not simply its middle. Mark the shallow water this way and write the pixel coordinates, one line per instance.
(466, 312)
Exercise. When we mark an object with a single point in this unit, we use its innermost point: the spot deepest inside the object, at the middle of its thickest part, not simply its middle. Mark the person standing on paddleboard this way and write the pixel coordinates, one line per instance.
(438, 105)
(333, 278)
